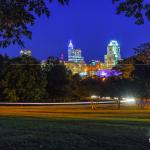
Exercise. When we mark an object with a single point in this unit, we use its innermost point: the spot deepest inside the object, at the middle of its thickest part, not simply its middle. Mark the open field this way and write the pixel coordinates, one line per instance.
(78, 112)
(74, 128)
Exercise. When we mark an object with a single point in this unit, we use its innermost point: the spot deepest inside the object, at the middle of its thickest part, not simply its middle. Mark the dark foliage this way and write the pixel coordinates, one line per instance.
(137, 69)
(58, 78)
(17, 15)
(22, 80)
(139, 9)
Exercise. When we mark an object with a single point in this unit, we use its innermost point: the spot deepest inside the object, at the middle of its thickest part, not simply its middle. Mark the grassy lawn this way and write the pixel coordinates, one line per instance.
(73, 128)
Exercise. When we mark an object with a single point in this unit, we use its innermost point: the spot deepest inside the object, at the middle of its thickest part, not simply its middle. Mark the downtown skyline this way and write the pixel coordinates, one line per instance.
(90, 27)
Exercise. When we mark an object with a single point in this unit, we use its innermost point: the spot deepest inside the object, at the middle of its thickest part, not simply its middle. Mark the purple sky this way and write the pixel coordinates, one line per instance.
(90, 24)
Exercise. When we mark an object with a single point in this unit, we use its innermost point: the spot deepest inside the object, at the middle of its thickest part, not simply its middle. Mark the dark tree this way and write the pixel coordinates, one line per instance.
(58, 78)
(118, 88)
(4, 65)
(141, 72)
(137, 69)
(126, 66)
(139, 9)
(49, 63)
(75, 86)
(91, 87)
(17, 15)
(143, 53)
(24, 80)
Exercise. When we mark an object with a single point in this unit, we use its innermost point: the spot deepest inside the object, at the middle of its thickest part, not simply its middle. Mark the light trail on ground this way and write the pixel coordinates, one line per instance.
(65, 103)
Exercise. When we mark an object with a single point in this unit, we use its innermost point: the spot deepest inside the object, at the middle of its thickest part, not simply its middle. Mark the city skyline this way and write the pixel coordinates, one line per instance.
(87, 29)
(77, 65)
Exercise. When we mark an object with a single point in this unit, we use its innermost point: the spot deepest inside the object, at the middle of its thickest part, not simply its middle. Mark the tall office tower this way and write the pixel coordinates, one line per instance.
(74, 55)
(113, 54)
(25, 52)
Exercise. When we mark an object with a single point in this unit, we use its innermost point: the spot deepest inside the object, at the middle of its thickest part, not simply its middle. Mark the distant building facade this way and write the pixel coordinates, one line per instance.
(91, 68)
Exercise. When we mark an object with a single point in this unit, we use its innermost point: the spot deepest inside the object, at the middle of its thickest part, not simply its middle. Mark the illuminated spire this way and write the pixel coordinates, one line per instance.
(62, 57)
(70, 45)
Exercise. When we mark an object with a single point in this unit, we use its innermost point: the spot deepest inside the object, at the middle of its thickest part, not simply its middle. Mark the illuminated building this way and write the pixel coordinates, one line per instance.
(76, 68)
(25, 52)
(93, 67)
(74, 55)
(113, 54)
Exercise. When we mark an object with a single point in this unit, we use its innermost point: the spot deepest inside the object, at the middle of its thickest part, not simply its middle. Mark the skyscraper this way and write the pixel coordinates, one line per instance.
(74, 55)
(113, 54)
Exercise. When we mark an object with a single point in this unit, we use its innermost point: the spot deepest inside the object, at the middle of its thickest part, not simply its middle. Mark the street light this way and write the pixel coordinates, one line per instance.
(129, 100)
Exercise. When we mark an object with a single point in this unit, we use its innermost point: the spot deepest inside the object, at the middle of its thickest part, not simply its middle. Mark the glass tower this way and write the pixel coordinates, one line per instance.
(113, 54)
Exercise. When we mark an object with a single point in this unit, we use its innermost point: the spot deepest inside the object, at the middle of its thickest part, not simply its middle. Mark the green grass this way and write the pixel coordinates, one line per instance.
(74, 128)
(33, 133)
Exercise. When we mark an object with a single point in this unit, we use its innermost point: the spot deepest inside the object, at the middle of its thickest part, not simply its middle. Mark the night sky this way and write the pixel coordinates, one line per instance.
(90, 24)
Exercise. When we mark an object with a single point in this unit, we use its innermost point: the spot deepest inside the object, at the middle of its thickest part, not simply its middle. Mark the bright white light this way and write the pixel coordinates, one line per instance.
(93, 96)
(71, 45)
(83, 74)
(129, 100)
(113, 43)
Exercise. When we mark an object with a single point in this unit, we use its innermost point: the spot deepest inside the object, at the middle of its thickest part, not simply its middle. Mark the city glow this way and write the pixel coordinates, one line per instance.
(107, 73)
(82, 74)
(104, 70)
(103, 73)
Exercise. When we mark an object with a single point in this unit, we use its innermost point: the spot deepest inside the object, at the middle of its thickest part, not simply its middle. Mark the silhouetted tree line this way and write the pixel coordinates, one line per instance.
(22, 79)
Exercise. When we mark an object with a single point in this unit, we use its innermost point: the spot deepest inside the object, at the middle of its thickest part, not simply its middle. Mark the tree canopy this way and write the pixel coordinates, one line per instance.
(139, 9)
(17, 15)
(21, 79)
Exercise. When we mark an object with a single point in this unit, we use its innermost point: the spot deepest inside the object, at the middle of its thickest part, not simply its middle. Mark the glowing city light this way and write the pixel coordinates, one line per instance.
(107, 73)
(129, 100)
(113, 42)
(70, 45)
(103, 73)
(94, 96)
(82, 74)
(113, 54)
(25, 52)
